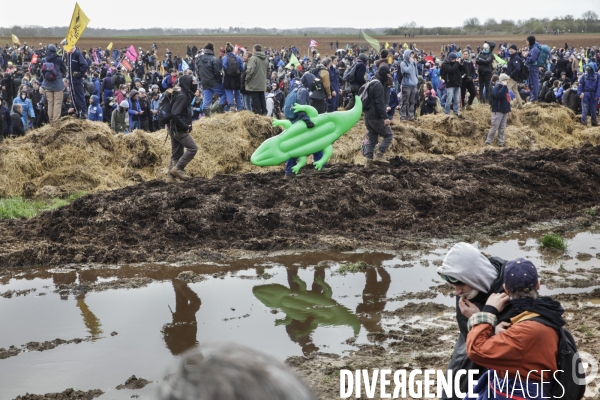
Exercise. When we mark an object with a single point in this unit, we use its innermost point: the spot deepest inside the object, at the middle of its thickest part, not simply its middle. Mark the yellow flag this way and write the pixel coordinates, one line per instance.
(387, 45)
(16, 40)
(109, 47)
(79, 21)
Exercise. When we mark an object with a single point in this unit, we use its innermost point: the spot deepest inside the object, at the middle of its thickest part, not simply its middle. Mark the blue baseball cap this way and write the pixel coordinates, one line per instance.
(520, 274)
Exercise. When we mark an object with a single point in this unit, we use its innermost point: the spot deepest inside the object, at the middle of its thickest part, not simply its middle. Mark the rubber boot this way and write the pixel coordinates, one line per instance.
(179, 173)
(369, 164)
(380, 160)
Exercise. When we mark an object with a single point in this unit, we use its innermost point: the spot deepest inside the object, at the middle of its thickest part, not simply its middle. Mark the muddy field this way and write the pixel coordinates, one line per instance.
(177, 44)
(347, 208)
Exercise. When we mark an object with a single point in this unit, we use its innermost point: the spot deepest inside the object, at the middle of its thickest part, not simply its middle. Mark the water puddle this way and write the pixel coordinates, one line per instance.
(284, 305)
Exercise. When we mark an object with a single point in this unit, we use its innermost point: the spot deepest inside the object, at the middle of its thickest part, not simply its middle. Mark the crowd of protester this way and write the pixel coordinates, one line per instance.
(97, 86)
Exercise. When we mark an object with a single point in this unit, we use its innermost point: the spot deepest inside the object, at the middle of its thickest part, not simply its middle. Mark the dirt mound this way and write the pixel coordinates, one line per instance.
(435, 137)
(345, 209)
(85, 156)
(67, 394)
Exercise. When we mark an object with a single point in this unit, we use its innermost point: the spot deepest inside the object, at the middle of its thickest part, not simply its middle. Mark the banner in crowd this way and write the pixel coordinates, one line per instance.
(499, 60)
(293, 62)
(313, 43)
(15, 39)
(34, 58)
(372, 42)
(79, 21)
(131, 53)
(184, 65)
(109, 47)
(236, 49)
(126, 64)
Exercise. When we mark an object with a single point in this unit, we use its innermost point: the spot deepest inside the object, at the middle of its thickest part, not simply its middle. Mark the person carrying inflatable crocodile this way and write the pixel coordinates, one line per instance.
(302, 97)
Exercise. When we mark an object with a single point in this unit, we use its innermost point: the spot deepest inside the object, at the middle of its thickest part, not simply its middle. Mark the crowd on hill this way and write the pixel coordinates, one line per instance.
(103, 85)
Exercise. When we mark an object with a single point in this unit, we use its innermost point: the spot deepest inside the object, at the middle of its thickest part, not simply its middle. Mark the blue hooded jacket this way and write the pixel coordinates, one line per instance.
(56, 85)
(410, 76)
(589, 85)
(95, 111)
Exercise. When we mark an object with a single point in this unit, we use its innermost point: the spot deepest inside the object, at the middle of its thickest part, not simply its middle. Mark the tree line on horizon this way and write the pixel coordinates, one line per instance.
(588, 23)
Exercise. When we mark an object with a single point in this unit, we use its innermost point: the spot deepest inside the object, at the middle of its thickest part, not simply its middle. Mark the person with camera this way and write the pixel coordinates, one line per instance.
(77, 71)
(485, 61)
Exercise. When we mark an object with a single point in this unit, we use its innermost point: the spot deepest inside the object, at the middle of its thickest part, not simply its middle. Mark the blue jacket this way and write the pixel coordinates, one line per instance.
(589, 85)
(303, 98)
(56, 85)
(134, 107)
(393, 99)
(7, 120)
(435, 75)
(27, 109)
(534, 53)
(500, 101)
(78, 65)
(95, 111)
(96, 86)
(410, 76)
(239, 59)
(334, 79)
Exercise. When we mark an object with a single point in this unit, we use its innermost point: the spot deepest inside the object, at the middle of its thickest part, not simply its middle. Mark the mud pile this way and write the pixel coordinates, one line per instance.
(348, 208)
(86, 156)
(434, 137)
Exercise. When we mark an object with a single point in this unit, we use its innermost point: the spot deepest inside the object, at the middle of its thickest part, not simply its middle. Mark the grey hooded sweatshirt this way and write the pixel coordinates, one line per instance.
(409, 71)
(465, 263)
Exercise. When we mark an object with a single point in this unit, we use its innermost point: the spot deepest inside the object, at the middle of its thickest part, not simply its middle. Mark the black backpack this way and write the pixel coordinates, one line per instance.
(233, 66)
(120, 80)
(364, 94)
(524, 72)
(569, 364)
(164, 108)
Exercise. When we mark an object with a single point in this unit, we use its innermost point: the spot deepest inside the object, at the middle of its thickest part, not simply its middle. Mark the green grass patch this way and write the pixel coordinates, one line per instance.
(352, 268)
(592, 211)
(554, 241)
(19, 207)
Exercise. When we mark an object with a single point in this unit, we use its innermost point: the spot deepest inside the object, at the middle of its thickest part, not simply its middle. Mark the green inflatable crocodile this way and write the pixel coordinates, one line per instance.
(298, 141)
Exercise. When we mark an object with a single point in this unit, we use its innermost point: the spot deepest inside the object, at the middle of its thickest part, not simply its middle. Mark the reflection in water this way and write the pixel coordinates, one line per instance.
(92, 323)
(305, 310)
(180, 335)
(373, 299)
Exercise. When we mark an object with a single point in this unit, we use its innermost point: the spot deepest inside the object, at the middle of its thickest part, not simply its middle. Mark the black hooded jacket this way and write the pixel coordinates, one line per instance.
(209, 70)
(485, 60)
(180, 112)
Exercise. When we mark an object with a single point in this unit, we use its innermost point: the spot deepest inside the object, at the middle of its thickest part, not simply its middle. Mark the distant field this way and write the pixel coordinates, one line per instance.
(429, 43)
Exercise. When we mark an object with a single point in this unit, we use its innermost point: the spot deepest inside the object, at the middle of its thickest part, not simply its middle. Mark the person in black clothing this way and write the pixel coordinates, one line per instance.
(179, 130)
(485, 61)
(468, 74)
(17, 122)
(515, 64)
(376, 118)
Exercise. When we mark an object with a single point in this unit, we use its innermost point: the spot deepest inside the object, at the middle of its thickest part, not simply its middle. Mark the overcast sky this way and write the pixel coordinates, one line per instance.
(285, 14)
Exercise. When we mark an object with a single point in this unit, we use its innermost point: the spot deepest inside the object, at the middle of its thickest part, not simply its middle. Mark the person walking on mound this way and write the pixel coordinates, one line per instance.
(179, 131)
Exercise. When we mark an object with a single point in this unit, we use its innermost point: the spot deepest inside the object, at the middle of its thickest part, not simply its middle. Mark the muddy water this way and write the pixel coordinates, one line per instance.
(285, 305)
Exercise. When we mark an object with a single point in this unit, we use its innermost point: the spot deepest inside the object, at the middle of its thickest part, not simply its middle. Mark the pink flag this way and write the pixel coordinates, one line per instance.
(236, 49)
(313, 43)
(131, 53)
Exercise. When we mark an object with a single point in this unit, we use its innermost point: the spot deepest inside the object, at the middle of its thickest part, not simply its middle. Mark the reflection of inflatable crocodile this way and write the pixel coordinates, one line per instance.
(298, 141)
(302, 305)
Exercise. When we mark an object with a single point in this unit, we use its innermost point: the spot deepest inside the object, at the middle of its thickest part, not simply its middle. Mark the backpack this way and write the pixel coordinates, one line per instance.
(524, 72)
(363, 93)
(569, 362)
(233, 66)
(50, 72)
(544, 55)
(119, 80)
(350, 74)
(290, 100)
(164, 108)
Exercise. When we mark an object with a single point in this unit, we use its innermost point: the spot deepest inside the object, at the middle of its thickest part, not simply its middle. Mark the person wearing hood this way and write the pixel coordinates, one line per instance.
(302, 98)
(377, 121)
(135, 111)
(183, 147)
(117, 119)
(570, 99)
(500, 110)
(589, 92)
(546, 88)
(410, 81)
(514, 66)
(452, 76)
(256, 80)
(18, 128)
(54, 88)
(475, 278)
(510, 342)
(232, 77)
(269, 98)
(210, 74)
(485, 70)
(27, 107)
(95, 112)
(531, 58)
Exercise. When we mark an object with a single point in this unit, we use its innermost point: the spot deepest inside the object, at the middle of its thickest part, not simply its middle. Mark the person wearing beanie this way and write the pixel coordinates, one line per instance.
(509, 334)
(54, 88)
(474, 278)
(589, 92)
(531, 57)
(500, 110)
(210, 74)
(377, 121)
(452, 75)
(117, 119)
(514, 65)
